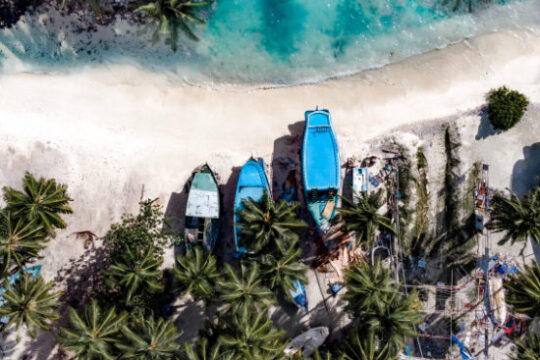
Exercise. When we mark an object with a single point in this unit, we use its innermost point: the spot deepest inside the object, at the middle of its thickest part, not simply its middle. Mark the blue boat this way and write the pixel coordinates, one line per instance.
(320, 167)
(252, 183)
(34, 273)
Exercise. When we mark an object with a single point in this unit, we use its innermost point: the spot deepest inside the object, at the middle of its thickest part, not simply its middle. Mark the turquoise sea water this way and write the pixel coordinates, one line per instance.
(267, 41)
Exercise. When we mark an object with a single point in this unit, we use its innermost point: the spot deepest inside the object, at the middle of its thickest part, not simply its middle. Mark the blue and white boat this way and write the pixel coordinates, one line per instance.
(320, 167)
(252, 184)
(202, 209)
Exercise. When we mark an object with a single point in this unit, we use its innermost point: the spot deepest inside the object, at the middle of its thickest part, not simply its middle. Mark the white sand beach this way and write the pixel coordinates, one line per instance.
(116, 134)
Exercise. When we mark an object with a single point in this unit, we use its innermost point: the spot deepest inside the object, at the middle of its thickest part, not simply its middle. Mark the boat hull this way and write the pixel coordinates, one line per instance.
(202, 210)
(252, 184)
(320, 167)
(308, 341)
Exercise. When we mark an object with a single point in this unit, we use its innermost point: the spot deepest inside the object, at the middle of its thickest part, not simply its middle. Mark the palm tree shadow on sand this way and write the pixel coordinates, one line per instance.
(525, 176)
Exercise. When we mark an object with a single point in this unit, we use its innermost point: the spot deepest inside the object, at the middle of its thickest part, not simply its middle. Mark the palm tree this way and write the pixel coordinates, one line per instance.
(203, 350)
(327, 356)
(281, 272)
(360, 215)
(359, 346)
(93, 336)
(197, 273)
(251, 335)
(269, 225)
(152, 340)
(243, 290)
(524, 291)
(527, 348)
(139, 272)
(395, 322)
(171, 15)
(41, 201)
(20, 241)
(518, 218)
(367, 287)
(379, 307)
(30, 302)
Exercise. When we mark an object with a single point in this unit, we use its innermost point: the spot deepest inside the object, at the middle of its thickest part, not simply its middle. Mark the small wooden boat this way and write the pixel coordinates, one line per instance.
(320, 167)
(252, 184)
(202, 209)
(308, 341)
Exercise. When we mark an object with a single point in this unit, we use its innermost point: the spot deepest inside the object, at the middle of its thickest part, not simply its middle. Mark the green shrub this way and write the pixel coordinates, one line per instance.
(506, 107)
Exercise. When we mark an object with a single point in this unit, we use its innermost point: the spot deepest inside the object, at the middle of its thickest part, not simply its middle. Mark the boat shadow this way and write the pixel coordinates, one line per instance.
(173, 219)
(225, 247)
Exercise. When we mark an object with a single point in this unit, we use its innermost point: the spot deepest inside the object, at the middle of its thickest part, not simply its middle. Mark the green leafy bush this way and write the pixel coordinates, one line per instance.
(506, 107)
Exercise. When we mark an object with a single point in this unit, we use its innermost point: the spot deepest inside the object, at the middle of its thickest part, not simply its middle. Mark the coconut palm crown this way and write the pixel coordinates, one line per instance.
(30, 302)
(41, 201)
(367, 286)
(242, 289)
(92, 336)
(527, 348)
(281, 272)
(197, 273)
(523, 291)
(251, 335)
(142, 271)
(519, 219)
(375, 300)
(360, 215)
(169, 16)
(151, 340)
(268, 226)
(360, 346)
(20, 241)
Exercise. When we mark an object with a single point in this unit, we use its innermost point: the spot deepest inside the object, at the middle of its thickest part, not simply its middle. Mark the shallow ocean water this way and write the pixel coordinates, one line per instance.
(278, 42)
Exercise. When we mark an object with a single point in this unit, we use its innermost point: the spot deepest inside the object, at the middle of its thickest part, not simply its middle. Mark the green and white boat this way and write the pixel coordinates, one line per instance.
(202, 209)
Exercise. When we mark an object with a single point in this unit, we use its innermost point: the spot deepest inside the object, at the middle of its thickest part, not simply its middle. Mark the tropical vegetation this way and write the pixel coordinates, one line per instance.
(151, 340)
(280, 273)
(243, 289)
(361, 216)
(30, 302)
(523, 291)
(527, 348)
(197, 273)
(378, 305)
(506, 107)
(42, 202)
(93, 335)
(518, 218)
(365, 347)
(20, 242)
(267, 225)
(171, 16)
